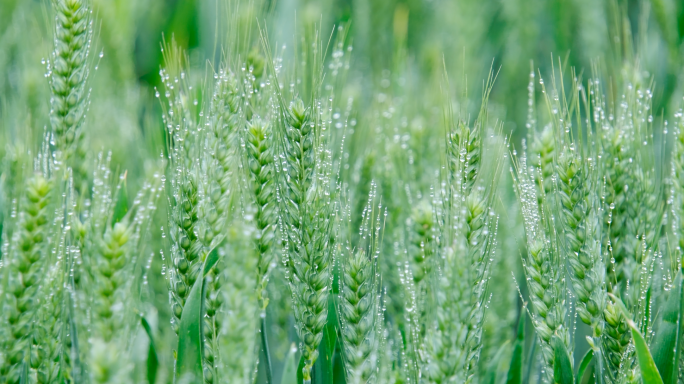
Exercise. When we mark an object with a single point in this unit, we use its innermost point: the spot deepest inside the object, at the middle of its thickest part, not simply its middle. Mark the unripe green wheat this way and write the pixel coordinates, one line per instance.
(307, 224)
(543, 148)
(111, 260)
(359, 304)
(617, 335)
(68, 75)
(110, 256)
(633, 220)
(260, 163)
(27, 264)
(50, 351)
(454, 338)
(542, 265)
(582, 239)
(469, 141)
(357, 314)
(225, 119)
(421, 237)
(188, 251)
(237, 320)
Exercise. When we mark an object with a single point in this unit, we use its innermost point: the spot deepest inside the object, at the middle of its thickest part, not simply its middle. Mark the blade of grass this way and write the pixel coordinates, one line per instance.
(264, 346)
(152, 359)
(586, 369)
(562, 368)
(300, 372)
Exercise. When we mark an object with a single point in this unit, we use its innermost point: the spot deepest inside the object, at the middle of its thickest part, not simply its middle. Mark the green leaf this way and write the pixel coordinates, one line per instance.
(515, 371)
(339, 376)
(562, 368)
(492, 373)
(666, 345)
(327, 347)
(300, 367)
(211, 260)
(189, 362)
(649, 371)
(290, 368)
(585, 374)
(152, 359)
(121, 207)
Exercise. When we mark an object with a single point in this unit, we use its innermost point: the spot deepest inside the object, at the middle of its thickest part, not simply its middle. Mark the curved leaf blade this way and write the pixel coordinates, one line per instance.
(649, 371)
(189, 362)
(562, 368)
(585, 374)
(152, 358)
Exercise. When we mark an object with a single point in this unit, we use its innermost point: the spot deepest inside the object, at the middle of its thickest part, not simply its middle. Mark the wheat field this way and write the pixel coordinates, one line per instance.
(342, 191)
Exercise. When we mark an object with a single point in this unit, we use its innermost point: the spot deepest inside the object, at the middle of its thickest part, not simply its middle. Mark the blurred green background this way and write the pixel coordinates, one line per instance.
(401, 52)
(399, 48)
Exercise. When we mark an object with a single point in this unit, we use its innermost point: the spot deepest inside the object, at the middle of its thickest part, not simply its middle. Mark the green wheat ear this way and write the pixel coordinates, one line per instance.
(542, 264)
(68, 76)
(259, 139)
(307, 225)
(27, 263)
(359, 304)
(188, 251)
(421, 243)
(225, 119)
(543, 150)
